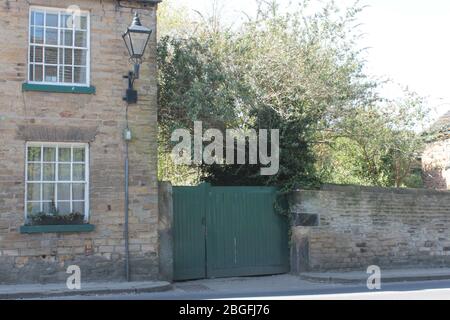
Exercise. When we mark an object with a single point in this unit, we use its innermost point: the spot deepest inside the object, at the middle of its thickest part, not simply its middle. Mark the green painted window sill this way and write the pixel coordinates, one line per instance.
(57, 88)
(58, 228)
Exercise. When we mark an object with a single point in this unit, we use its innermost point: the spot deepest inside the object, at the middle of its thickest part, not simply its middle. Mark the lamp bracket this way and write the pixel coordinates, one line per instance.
(131, 94)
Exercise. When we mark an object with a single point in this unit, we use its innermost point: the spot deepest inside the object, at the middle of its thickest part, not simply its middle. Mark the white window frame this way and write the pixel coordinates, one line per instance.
(57, 145)
(88, 54)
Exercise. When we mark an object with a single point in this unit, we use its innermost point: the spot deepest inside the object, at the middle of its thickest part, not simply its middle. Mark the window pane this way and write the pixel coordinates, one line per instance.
(68, 56)
(34, 153)
(67, 37)
(64, 155)
(61, 74)
(64, 172)
(61, 56)
(68, 74)
(51, 20)
(83, 23)
(33, 208)
(32, 53)
(34, 172)
(31, 73)
(38, 19)
(34, 191)
(49, 172)
(49, 154)
(51, 36)
(78, 172)
(48, 207)
(79, 75)
(51, 55)
(38, 71)
(78, 191)
(38, 36)
(63, 191)
(38, 55)
(65, 21)
(78, 155)
(51, 74)
(81, 39)
(64, 207)
(80, 57)
(78, 207)
(48, 191)
(32, 34)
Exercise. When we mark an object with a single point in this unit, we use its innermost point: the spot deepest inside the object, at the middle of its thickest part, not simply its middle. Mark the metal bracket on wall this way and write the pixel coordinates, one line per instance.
(306, 220)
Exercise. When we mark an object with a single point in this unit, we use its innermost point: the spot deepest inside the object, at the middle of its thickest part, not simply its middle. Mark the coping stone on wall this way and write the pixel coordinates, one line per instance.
(354, 188)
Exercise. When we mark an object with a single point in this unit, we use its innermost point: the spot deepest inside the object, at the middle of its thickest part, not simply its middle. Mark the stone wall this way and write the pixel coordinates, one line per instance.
(165, 203)
(436, 165)
(361, 226)
(97, 119)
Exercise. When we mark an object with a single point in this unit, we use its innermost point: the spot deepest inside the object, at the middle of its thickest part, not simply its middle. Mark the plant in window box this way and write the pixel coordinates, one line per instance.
(53, 217)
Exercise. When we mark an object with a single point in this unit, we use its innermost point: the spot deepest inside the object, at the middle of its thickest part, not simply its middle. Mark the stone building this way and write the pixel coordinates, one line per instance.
(436, 155)
(62, 151)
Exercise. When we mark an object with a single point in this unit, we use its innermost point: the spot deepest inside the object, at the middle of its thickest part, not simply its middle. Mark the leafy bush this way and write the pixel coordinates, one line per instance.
(300, 72)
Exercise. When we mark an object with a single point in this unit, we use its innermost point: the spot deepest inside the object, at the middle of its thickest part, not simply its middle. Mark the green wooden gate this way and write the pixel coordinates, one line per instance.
(228, 231)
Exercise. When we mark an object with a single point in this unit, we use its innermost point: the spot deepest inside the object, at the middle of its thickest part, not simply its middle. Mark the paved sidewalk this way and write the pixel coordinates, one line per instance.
(27, 291)
(393, 275)
(311, 283)
(282, 287)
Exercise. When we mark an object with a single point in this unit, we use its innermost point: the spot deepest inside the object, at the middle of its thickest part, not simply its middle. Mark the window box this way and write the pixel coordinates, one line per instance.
(57, 88)
(57, 228)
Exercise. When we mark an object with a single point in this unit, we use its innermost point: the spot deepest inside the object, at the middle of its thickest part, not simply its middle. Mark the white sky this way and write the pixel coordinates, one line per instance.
(409, 41)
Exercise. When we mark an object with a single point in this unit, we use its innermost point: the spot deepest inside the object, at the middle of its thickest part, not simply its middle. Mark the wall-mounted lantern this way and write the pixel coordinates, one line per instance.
(136, 39)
